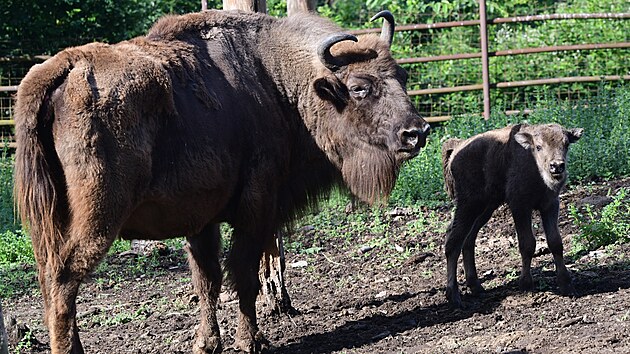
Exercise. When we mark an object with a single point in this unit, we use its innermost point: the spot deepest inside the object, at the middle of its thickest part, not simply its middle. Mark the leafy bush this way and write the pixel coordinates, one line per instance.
(608, 226)
(7, 219)
(15, 248)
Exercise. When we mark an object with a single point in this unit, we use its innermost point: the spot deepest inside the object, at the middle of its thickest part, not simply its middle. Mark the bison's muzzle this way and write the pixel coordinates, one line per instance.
(413, 139)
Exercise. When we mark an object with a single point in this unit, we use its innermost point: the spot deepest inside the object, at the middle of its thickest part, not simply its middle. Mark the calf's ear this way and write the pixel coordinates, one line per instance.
(332, 90)
(526, 140)
(574, 134)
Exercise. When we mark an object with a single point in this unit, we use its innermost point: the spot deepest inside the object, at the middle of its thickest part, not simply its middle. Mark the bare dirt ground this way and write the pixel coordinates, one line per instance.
(370, 293)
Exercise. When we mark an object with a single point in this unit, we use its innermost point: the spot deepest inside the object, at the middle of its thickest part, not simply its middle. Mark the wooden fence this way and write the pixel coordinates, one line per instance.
(486, 84)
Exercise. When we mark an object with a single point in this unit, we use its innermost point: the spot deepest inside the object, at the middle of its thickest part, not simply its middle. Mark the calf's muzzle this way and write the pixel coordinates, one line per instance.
(556, 167)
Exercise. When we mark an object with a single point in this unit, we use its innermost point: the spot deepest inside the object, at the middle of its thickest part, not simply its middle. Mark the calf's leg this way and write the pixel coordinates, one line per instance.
(468, 250)
(203, 257)
(549, 218)
(526, 244)
(460, 227)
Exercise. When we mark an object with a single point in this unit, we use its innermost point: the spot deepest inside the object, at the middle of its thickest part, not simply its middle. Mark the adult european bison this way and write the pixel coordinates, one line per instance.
(521, 165)
(211, 117)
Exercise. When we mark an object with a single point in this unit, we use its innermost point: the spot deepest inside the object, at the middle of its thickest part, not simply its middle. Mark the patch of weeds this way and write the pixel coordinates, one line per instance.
(15, 248)
(17, 280)
(26, 343)
(601, 228)
(512, 275)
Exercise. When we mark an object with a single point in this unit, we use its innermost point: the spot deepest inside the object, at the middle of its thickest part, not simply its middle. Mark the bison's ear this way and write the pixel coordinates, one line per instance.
(332, 90)
(526, 140)
(574, 134)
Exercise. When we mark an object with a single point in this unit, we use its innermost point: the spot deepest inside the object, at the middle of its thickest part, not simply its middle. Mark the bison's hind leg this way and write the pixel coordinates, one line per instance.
(203, 257)
(88, 238)
(468, 250)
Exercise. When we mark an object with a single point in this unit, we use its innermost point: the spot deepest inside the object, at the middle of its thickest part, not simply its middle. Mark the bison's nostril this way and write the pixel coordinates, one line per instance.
(410, 137)
(557, 167)
(415, 138)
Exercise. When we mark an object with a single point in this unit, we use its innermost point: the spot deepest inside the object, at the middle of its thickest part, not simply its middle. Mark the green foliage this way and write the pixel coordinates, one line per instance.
(602, 228)
(7, 219)
(45, 27)
(15, 248)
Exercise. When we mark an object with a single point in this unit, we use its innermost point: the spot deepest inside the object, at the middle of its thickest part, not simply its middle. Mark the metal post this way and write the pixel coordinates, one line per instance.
(485, 70)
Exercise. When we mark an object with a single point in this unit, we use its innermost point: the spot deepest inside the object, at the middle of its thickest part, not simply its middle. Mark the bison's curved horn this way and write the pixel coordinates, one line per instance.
(323, 51)
(387, 33)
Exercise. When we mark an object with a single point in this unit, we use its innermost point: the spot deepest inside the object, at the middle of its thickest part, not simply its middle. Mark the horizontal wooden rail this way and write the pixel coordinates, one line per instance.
(536, 82)
(8, 88)
(500, 20)
(502, 53)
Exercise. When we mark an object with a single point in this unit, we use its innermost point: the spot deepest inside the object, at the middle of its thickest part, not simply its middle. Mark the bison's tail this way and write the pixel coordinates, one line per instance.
(447, 150)
(39, 187)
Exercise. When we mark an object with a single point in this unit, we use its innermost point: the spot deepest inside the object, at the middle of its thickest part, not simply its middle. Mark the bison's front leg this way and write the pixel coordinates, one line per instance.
(244, 263)
(549, 218)
(526, 244)
(203, 257)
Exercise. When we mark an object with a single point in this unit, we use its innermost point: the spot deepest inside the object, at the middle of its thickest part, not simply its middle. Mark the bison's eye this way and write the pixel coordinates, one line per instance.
(538, 147)
(359, 91)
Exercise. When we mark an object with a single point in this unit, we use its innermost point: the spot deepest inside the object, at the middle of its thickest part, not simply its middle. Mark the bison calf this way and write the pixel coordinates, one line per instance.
(521, 165)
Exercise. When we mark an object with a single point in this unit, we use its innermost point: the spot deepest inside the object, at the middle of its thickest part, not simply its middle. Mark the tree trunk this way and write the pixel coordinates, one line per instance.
(246, 5)
(4, 339)
(297, 6)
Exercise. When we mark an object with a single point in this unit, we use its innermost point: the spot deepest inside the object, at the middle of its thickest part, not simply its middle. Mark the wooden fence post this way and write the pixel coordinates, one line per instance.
(4, 339)
(246, 5)
(297, 6)
(485, 70)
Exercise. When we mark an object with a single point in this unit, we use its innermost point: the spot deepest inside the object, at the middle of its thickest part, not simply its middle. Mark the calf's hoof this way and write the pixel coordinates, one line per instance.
(475, 288)
(567, 289)
(526, 283)
(454, 298)
(207, 345)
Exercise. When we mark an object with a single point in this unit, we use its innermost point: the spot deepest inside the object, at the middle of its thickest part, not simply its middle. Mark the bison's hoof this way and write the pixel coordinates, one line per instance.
(207, 345)
(248, 344)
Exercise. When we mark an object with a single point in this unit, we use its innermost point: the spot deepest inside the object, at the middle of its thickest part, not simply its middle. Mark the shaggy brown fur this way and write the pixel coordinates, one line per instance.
(523, 166)
(212, 117)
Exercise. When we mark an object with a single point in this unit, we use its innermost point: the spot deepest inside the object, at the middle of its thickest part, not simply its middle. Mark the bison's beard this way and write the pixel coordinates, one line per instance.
(370, 174)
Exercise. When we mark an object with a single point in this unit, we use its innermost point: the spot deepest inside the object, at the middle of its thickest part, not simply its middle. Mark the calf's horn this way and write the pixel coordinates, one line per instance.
(387, 32)
(323, 51)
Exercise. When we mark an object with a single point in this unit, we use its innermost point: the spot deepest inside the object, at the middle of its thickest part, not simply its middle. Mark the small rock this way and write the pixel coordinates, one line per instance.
(299, 264)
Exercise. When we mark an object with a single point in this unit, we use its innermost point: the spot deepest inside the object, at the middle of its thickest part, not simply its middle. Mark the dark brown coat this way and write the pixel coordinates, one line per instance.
(523, 166)
(211, 117)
